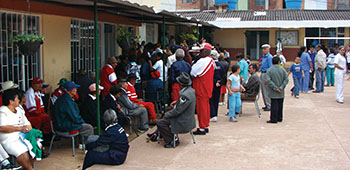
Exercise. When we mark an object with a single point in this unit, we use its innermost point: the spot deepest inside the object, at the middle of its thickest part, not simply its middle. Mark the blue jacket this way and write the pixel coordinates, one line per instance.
(177, 68)
(115, 137)
(219, 73)
(109, 103)
(67, 117)
(266, 62)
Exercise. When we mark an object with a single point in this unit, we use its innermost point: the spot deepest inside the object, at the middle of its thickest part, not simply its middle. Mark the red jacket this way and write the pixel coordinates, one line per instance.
(108, 79)
(131, 92)
(203, 77)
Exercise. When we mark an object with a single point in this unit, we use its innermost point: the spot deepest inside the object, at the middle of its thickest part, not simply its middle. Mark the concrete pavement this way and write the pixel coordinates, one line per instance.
(315, 134)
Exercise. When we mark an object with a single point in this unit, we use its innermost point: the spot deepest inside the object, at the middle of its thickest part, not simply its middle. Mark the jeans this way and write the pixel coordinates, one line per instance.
(320, 80)
(234, 104)
(296, 87)
(304, 85)
(330, 76)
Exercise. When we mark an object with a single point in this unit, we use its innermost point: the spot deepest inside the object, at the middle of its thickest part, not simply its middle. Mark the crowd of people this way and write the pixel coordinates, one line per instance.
(196, 80)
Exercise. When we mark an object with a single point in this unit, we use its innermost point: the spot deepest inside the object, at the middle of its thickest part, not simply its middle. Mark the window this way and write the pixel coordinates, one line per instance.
(288, 38)
(259, 2)
(13, 65)
(150, 35)
(83, 47)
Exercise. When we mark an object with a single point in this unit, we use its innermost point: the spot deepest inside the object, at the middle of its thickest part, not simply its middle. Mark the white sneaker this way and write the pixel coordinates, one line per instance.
(214, 119)
(81, 146)
(221, 103)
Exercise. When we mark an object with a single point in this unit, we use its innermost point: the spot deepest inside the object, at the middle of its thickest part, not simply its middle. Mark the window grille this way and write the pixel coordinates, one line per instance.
(13, 65)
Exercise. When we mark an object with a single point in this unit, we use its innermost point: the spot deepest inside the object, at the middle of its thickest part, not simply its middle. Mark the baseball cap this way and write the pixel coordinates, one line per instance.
(70, 85)
(194, 49)
(45, 86)
(37, 80)
(206, 46)
(62, 82)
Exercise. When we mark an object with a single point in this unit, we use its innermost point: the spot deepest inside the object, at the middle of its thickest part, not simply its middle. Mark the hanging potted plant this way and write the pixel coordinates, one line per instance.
(123, 39)
(28, 44)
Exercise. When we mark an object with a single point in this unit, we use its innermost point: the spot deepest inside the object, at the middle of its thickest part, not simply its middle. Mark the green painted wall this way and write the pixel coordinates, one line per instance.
(242, 5)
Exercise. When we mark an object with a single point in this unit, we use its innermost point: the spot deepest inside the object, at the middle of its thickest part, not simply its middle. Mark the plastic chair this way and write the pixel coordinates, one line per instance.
(255, 103)
(64, 135)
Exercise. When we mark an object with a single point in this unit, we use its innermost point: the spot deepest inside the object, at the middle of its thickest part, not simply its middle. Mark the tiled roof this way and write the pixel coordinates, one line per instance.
(273, 15)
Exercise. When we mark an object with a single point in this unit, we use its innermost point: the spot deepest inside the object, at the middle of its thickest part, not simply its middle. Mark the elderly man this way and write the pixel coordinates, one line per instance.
(67, 116)
(276, 80)
(320, 65)
(176, 69)
(132, 109)
(108, 76)
(253, 84)
(203, 75)
(181, 118)
(266, 63)
(35, 110)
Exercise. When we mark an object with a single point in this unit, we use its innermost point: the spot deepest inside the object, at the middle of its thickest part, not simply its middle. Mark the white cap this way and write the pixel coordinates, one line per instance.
(194, 49)
(265, 46)
(8, 85)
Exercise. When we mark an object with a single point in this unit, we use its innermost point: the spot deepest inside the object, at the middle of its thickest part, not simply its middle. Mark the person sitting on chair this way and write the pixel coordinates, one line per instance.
(181, 118)
(132, 109)
(110, 102)
(67, 116)
(111, 147)
(253, 84)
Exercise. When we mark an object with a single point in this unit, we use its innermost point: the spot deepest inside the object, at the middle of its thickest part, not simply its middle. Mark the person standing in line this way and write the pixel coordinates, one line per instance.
(330, 68)
(312, 53)
(320, 65)
(306, 64)
(340, 71)
(276, 79)
(225, 65)
(234, 87)
(298, 74)
(243, 65)
(203, 80)
(266, 63)
(219, 76)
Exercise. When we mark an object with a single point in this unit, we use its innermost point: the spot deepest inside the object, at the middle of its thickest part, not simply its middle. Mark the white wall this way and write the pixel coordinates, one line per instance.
(315, 4)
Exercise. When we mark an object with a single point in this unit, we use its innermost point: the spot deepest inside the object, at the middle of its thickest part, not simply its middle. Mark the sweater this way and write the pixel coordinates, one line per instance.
(277, 78)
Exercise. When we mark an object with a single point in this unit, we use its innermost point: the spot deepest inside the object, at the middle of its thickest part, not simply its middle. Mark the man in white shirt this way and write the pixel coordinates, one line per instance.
(320, 65)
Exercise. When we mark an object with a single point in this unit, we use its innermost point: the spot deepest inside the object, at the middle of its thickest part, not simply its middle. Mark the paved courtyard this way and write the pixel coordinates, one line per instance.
(315, 134)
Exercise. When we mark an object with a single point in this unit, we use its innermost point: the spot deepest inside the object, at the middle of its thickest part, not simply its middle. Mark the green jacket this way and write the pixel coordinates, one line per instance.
(277, 78)
(32, 136)
(67, 117)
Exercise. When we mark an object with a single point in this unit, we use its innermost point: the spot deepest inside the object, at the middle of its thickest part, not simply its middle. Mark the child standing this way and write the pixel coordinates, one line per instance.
(298, 74)
(234, 97)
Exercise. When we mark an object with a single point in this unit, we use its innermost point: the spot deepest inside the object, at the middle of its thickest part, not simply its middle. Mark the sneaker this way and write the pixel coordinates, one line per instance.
(206, 130)
(227, 114)
(81, 146)
(233, 119)
(10, 167)
(199, 132)
(341, 102)
(267, 109)
(143, 130)
(221, 103)
(297, 96)
(214, 119)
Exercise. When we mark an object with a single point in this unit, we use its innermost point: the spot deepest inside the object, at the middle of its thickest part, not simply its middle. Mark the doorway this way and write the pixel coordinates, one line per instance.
(254, 40)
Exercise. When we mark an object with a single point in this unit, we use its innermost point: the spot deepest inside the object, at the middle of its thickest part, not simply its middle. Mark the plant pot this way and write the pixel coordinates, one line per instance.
(30, 47)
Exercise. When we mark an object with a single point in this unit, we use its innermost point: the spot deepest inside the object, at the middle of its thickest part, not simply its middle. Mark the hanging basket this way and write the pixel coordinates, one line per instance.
(29, 48)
